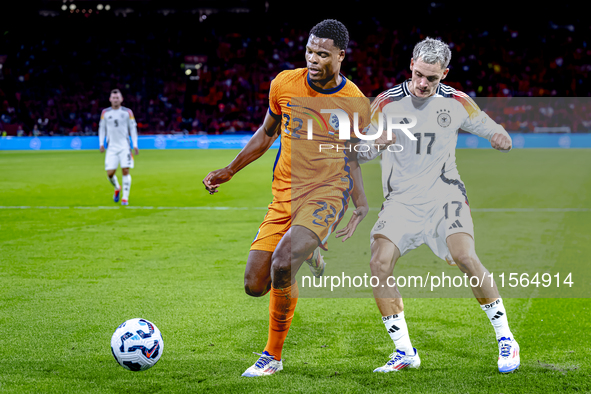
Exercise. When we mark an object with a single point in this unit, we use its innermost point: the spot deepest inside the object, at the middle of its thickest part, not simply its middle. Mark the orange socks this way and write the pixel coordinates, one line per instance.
(282, 305)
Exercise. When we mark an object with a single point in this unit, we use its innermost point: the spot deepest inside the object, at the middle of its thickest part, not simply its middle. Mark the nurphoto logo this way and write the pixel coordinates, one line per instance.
(340, 118)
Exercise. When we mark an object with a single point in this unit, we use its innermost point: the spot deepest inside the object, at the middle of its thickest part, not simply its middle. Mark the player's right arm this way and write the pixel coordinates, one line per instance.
(357, 195)
(132, 127)
(102, 131)
(479, 123)
(260, 142)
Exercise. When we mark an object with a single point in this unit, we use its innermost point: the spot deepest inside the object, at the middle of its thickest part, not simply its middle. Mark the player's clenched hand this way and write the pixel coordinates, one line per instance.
(136, 151)
(102, 149)
(501, 142)
(215, 178)
(356, 218)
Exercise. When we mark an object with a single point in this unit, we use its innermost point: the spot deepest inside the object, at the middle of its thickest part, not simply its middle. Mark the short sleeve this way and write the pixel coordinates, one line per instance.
(132, 121)
(274, 94)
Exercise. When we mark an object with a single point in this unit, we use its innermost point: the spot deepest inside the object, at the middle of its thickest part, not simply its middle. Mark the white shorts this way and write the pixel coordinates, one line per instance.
(410, 226)
(114, 159)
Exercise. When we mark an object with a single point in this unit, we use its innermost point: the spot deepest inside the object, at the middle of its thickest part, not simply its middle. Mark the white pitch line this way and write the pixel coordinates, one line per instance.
(264, 208)
(136, 207)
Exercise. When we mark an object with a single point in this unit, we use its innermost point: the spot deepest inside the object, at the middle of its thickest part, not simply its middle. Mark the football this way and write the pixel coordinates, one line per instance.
(137, 344)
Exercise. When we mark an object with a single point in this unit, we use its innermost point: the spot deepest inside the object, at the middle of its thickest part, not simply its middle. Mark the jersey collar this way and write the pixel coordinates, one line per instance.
(407, 91)
(327, 91)
(405, 88)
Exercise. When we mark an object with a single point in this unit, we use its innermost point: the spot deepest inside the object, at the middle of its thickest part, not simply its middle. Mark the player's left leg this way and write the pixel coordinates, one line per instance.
(126, 178)
(462, 250)
(312, 219)
(295, 246)
(111, 164)
(126, 160)
(257, 275)
(113, 179)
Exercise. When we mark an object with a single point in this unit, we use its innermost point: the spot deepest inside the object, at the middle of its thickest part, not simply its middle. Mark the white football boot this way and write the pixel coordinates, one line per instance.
(316, 263)
(265, 365)
(400, 360)
(508, 355)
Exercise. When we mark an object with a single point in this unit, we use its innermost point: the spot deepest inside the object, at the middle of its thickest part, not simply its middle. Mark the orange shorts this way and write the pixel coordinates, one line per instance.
(320, 211)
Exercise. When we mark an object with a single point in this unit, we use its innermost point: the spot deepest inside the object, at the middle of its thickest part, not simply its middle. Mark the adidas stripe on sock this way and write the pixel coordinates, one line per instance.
(498, 318)
(398, 330)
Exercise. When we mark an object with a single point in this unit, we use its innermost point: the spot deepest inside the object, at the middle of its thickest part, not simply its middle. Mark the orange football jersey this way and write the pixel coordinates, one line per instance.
(308, 159)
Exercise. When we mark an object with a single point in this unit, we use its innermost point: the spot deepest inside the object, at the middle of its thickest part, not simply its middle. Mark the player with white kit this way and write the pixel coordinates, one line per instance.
(426, 200)
(117, 124)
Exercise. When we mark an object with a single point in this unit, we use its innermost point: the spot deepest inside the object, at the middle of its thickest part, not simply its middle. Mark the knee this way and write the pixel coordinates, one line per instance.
(466, 261)
(380, 267)
(256, 291)
(256, 288)
(280, 268)
(299, 254)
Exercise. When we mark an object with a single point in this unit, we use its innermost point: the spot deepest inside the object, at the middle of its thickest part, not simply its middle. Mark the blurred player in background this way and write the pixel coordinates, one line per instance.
(117, 124)
(426, 201)
(310, 188)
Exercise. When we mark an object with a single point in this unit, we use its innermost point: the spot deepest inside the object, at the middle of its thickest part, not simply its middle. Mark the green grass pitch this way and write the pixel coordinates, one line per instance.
(69, 275)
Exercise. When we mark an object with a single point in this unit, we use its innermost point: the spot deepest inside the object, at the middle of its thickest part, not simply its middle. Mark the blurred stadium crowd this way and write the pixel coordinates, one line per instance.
(58, 69)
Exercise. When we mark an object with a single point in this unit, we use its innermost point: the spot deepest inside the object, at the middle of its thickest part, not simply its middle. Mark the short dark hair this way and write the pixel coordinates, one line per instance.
(334, 30)
(115, 91)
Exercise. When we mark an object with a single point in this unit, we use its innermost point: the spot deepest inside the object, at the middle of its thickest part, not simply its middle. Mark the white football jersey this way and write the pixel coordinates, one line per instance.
(413, 175)
(117, 125)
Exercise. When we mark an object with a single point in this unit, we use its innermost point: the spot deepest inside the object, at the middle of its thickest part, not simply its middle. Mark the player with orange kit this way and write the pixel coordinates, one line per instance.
(311, 187)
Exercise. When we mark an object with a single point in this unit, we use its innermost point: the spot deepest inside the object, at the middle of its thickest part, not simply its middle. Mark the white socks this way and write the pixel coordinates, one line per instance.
(114, 181)
(396, 327)
(398, 330)
(126, 186)
(498, 318)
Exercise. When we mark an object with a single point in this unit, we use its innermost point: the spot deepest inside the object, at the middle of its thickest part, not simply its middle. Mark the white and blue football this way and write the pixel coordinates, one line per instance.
(137, 344)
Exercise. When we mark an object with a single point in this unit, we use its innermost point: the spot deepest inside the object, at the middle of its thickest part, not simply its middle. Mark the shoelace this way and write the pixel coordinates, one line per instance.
(505, 348)
(395, 359)
(263, 360)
